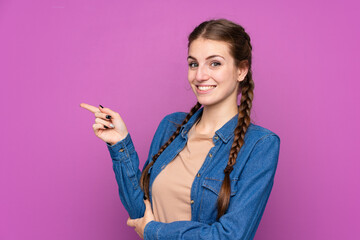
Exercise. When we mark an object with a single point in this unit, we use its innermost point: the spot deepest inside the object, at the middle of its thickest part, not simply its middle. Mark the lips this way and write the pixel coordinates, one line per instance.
(204, 88)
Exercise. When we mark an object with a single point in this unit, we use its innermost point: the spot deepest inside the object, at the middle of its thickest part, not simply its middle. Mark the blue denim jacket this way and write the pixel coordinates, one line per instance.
(251, 180)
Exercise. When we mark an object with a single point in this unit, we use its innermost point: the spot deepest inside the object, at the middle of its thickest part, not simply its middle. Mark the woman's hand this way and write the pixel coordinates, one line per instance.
(140, 223)
(108, 125)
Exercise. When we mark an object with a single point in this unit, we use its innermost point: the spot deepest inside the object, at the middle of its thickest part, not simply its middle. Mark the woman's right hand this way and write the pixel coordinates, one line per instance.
(111, 129)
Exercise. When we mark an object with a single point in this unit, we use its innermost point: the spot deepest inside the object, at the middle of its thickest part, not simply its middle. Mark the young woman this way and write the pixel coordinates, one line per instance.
(209, 172)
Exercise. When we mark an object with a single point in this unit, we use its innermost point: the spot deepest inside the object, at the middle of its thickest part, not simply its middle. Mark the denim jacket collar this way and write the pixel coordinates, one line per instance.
(224, 133)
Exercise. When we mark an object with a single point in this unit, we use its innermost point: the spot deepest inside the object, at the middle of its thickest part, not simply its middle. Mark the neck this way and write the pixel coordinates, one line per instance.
(214, 117)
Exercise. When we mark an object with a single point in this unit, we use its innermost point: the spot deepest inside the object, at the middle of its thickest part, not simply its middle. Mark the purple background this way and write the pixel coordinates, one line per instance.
(56, 178)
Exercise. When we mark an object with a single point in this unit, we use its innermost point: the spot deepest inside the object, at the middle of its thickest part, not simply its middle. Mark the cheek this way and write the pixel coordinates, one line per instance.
(226, 77)
(221, 77)
(190, 76)
(226, 82)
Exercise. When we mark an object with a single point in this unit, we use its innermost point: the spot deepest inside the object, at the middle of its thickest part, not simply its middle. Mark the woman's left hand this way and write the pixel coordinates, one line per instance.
(140, 223)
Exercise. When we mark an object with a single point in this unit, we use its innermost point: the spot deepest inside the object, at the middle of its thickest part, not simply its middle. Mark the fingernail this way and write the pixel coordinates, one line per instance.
(145, 197)
(101, 106)
(106, 126)
(108, 116)
(112, 125)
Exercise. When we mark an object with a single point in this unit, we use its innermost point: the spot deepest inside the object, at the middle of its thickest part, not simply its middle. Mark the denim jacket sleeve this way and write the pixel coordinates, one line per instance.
(247, 206)
(126, 168)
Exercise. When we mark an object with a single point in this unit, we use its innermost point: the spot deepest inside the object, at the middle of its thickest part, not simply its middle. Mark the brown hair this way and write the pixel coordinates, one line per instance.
(240, 49)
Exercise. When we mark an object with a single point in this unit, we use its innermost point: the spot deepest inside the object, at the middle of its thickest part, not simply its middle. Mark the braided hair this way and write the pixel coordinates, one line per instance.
(240, 49)
(145, 176)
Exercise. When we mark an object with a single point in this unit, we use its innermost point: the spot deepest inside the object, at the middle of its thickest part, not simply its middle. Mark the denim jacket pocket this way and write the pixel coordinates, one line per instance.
(210, 192)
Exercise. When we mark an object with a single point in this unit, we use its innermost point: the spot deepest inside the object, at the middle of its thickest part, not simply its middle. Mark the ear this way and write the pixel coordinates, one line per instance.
(242, 71)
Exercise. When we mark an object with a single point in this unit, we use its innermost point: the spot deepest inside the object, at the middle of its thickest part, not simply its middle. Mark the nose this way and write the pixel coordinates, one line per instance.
(202, 74)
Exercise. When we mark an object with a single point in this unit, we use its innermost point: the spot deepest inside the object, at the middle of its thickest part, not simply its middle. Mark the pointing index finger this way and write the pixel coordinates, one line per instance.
(89, 107)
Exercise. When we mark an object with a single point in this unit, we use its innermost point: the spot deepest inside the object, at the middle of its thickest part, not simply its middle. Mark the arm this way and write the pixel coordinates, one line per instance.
(245, 209)
(123, 154)
(126, 168)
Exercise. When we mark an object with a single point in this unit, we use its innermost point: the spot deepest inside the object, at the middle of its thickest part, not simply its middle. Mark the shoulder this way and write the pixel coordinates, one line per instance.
(176, 116)
(256, 133)
(260, 141)
(260, 150)
(173, 119)
(168, 126)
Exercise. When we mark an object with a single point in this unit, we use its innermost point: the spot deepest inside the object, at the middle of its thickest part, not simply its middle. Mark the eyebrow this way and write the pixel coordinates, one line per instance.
(212, 56)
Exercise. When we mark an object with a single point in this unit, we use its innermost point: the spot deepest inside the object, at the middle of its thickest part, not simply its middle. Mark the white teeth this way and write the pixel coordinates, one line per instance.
(204, 88)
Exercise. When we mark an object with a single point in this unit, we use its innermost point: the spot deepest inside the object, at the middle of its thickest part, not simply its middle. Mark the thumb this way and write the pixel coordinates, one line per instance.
(147, 205)
(130, 222)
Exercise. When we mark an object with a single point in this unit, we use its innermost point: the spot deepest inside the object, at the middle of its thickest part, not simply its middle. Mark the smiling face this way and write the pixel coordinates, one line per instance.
(212, 73)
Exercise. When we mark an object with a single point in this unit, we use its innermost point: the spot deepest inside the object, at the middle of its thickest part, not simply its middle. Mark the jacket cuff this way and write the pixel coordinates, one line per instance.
(152, 229)
(122, 149)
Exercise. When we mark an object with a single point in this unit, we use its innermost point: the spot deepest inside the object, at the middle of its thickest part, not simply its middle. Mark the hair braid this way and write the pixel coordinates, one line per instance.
(247, 95)
(145, 176)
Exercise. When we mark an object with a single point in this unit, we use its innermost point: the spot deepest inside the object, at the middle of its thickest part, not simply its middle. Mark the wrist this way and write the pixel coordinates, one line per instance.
(119, 139)
(122, 149)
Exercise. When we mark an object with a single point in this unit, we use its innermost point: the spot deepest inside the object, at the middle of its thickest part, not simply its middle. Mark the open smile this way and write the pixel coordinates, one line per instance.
(204, 88)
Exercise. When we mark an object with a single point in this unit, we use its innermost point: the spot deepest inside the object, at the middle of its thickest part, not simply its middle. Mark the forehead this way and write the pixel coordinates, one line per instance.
(202, 48)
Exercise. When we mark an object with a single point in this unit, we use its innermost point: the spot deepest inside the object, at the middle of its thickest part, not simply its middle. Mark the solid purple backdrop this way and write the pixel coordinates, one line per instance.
(56, 178)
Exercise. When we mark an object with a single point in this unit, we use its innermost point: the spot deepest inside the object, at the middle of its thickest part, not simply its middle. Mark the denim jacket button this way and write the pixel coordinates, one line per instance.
(216, 137)
(210, 155)
(192, 201)
(121, 150)
(198, 175)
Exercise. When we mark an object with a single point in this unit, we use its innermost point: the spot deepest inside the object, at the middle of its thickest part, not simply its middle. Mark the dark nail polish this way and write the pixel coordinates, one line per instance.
(145, 197)
(108, 116)
(101, 106)
(106, 126)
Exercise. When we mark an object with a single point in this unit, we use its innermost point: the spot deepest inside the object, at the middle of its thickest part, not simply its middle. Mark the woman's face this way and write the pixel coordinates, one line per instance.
(212, 73)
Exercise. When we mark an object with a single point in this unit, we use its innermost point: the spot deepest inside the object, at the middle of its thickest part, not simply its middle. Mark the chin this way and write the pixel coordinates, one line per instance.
(205, 102)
